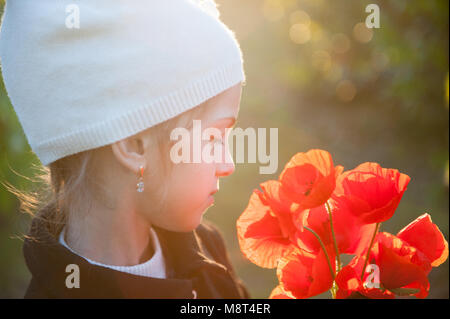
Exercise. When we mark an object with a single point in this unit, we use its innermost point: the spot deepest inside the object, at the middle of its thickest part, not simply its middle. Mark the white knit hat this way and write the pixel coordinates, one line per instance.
(129, 66)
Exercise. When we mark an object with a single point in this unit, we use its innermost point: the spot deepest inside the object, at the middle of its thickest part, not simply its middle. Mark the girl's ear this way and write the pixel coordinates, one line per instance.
(132, 152)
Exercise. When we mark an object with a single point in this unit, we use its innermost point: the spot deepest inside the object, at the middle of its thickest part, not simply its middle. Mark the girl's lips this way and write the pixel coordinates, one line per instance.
(210, 200)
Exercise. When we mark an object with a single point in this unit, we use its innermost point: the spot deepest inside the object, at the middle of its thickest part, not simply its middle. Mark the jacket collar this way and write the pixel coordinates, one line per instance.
(184, 252)
(47, 260)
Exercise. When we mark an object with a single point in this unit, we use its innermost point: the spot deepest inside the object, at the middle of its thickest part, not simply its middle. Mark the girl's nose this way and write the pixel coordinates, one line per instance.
(226, 167)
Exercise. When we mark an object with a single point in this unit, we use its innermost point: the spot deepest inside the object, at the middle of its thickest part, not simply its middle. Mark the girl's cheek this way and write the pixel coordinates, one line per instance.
(196, 178)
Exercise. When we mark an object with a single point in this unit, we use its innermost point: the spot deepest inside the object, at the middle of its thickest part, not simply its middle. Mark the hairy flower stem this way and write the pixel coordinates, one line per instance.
(334, 237)
(323, 248)
(377, 226)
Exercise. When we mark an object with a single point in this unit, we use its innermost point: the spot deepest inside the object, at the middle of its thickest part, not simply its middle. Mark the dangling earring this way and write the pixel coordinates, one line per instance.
(140, 184)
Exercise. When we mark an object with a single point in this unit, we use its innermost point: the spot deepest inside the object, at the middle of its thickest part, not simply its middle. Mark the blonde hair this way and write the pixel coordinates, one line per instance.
(69, 184)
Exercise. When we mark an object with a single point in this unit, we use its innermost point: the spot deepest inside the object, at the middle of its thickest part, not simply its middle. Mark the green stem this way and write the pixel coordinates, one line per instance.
(334, 237)
(377, 226)
(334, 290)
(323, 248)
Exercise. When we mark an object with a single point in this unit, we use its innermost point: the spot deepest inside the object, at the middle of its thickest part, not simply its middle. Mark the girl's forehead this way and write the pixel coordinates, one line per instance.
(225, 106)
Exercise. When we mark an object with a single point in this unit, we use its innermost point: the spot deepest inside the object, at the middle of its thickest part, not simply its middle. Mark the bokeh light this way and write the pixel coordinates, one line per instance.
(345, 91)
(340, 43)
(300, 17)
(321, 60)
(379, 61)
(317, 33)
(361, 33)
(300, 33)
(334, 73)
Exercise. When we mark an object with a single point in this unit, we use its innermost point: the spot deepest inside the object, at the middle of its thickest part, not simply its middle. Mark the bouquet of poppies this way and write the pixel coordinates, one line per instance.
(315, 212)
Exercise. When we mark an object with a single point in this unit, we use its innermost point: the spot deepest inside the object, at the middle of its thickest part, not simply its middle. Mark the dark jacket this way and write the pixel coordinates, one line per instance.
(195, 260)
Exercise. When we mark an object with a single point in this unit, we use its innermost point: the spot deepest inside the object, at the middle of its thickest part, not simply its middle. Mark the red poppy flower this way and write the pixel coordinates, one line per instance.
(304, 275)
(372, 193)
(404, 261)
(402, 269)
(351, 285)
(352, 236)
(401, 265)
(426, 237)
(266, 228)
(310, 178)
(287, 225)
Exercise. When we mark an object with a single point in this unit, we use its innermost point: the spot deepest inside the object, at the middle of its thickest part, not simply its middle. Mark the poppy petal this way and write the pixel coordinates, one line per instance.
(352, 235)
(275, 197)
(279, 293)
(423, 234)
(260, 237)
(317, 220)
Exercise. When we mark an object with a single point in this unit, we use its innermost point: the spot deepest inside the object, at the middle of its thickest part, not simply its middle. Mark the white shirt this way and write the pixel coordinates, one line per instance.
(154, 267)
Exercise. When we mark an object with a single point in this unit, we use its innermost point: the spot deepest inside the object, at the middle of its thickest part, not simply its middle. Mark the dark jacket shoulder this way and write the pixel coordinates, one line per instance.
(214, 241)
(197, 260)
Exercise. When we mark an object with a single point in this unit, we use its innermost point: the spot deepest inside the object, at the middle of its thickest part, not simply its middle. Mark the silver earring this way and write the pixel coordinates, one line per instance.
(140, 184)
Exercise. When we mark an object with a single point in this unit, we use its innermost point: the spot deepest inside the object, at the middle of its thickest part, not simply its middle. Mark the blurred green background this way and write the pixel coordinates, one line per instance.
(325, 81)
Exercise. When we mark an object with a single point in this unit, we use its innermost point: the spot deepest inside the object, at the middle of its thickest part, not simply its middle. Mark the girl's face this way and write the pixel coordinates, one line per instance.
(191, 185)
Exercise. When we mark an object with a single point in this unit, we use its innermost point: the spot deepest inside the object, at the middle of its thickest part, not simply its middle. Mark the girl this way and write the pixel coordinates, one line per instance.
(98, 87)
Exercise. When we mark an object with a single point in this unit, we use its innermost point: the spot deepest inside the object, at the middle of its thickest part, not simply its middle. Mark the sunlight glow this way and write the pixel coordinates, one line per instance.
(273, 10)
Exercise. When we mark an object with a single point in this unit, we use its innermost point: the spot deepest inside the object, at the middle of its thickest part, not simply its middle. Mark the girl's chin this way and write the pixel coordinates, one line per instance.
(209, 201)
(195, 219)
(194, 223)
